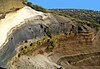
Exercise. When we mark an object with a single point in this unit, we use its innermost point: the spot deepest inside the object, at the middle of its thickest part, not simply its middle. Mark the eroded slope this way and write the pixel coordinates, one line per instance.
(45, 41)
(61, 51)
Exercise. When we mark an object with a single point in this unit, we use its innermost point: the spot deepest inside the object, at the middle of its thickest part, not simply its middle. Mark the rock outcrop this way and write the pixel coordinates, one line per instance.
(37, 40)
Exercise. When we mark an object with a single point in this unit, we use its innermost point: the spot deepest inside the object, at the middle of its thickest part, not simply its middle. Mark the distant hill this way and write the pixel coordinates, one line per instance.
(88, 15)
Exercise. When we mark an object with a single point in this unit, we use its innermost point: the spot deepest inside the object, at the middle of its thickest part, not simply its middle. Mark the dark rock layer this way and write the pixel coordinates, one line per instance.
(33, 29)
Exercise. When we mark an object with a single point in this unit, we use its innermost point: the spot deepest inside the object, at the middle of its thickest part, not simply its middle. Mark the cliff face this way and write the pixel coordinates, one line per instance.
(65, 51)
(36, 40)
(8, 5)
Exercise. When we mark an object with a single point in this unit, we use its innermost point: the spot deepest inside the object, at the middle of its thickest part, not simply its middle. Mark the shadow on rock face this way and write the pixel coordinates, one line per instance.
(2, 68)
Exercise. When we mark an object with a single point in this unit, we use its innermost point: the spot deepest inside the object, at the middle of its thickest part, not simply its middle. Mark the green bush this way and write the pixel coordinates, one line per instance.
(36, 7)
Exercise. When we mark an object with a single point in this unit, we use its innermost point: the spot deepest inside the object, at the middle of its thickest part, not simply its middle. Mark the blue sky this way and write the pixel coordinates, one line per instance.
(77, 4)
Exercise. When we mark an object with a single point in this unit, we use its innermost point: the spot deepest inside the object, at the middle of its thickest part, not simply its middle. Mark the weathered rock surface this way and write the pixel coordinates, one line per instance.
(76, 45)
(65, 52)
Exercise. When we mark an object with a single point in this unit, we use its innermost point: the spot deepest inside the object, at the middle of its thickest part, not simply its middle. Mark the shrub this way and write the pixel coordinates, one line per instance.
(36, 7)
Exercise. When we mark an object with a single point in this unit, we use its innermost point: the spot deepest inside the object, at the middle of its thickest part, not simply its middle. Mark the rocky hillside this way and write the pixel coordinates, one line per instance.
(35, 40)
(87, 15)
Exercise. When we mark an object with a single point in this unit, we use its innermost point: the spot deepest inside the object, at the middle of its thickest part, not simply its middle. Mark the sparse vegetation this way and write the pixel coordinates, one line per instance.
(50, 43)
(76, 19)
(81, 14)
(27, 47)
(36, 7)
